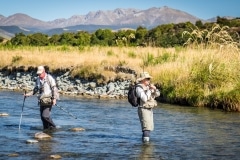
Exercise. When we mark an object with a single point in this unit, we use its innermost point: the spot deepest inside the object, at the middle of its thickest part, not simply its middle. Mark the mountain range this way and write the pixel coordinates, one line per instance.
(111, 19)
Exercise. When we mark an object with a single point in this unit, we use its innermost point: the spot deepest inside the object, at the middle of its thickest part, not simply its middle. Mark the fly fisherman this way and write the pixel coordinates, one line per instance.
(45, 86)
(147, 94)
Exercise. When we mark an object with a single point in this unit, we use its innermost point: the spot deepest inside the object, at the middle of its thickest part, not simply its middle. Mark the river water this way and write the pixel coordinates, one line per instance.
(112, 131)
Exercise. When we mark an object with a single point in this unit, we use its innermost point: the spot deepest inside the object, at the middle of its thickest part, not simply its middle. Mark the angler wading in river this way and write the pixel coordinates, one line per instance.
(147, 93)
(45, 87)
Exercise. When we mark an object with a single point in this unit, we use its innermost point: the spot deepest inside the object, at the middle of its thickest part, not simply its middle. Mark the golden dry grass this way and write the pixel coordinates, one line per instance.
(202, 76)
(132, 57)
(56, 57)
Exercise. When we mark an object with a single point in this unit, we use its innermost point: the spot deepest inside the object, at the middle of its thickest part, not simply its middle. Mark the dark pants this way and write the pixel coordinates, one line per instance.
(46, 118)
(146, 133)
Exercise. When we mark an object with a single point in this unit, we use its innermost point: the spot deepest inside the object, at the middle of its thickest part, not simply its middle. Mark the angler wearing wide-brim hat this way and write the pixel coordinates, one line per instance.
(147, 94)
(142, 76)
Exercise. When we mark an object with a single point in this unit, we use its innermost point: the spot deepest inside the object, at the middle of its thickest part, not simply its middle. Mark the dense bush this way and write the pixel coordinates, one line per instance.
(166, 35)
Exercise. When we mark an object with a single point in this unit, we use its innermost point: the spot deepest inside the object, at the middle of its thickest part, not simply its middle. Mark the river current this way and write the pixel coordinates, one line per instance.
(112, 131)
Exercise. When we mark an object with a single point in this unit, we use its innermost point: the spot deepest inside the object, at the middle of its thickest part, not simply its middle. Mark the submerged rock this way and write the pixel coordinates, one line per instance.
(31, 141)
(41, 135)
(4, 114)
(56, 156)
(77, 129)
(13, 155)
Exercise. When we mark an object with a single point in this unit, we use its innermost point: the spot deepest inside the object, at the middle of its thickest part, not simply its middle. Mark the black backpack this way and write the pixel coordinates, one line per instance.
(132, 97)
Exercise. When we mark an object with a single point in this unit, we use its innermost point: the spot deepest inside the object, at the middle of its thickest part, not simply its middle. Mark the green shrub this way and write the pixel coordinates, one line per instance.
(110, 53)
(16, 59)
(132, 54)
(148, 60)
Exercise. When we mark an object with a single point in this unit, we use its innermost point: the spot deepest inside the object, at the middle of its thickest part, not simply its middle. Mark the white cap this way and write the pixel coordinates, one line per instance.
(40, 70)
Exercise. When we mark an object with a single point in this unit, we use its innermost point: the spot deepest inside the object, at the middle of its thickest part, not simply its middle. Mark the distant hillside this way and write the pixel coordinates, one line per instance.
(5, 34)
(112, 19)
(148, 18)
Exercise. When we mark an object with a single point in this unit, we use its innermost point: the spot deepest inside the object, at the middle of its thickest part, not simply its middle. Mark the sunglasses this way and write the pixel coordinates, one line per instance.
(148, 79)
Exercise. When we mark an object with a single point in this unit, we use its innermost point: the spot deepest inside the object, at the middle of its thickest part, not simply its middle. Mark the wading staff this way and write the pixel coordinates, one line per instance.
(22, 109)
(66, 111)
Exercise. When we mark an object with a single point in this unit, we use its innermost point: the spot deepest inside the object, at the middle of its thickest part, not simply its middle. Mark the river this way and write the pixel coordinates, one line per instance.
(112, 131)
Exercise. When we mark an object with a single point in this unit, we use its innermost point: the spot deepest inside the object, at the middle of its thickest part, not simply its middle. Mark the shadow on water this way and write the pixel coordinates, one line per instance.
(112, 131)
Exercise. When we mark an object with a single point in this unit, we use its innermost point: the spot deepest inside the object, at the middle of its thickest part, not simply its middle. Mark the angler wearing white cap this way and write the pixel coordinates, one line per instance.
(45, 86)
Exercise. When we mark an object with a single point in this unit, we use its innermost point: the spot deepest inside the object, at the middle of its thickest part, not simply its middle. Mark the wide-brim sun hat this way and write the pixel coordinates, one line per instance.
(144, 75)
(40, 69)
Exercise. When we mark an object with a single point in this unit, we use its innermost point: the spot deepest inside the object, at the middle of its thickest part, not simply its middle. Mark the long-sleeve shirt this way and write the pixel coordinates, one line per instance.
(46, 87)
(147, 96)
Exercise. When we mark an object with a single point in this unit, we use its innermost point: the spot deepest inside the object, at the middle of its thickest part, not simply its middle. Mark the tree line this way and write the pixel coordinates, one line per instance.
(166, 35)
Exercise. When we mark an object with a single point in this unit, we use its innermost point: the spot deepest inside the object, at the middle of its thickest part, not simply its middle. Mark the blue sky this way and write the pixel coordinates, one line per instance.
(48, 10)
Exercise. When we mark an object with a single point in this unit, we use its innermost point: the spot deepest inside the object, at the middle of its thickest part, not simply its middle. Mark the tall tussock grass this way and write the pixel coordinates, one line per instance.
(208, 72)
(205, 72)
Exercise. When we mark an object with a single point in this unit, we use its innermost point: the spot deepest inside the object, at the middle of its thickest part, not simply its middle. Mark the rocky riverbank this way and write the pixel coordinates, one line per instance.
(24, 79)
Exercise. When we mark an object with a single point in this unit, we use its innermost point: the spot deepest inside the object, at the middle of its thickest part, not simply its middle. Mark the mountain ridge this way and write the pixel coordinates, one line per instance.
(117, 18)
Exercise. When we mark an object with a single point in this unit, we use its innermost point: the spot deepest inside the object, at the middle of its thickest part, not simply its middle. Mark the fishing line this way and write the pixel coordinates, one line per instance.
(66, 111)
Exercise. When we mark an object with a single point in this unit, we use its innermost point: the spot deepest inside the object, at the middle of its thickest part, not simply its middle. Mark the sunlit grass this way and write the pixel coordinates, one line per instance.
(197, 74)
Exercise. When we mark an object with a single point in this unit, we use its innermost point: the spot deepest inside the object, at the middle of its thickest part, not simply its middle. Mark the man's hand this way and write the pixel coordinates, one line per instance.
(54, 101)
(152, 87)
(26, 94)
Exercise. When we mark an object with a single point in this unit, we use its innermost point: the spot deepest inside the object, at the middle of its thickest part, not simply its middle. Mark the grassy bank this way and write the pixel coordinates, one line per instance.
(197, 76)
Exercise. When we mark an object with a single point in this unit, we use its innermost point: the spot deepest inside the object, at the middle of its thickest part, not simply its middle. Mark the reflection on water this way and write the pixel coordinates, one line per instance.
(147, 151)
(112, 131)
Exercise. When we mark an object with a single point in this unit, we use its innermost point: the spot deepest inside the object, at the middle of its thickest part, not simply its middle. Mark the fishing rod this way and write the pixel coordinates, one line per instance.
(22, 110)
(66, 111)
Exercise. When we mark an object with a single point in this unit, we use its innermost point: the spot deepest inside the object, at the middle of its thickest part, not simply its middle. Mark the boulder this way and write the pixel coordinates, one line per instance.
(41, 135)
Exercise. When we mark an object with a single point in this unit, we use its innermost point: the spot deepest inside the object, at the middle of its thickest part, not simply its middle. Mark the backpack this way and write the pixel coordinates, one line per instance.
(132, 97)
